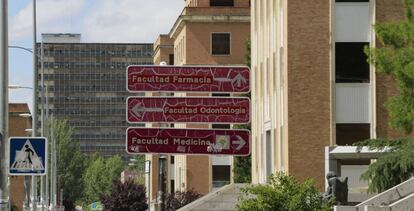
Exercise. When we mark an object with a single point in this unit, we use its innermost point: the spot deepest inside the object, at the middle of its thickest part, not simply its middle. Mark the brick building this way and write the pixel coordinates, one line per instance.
(313, 88)
(18, 124)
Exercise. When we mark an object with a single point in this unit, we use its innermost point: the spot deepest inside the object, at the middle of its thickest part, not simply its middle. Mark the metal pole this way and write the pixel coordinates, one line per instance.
(42, 122)
(34, 116)
(54, 169)
(4, 111)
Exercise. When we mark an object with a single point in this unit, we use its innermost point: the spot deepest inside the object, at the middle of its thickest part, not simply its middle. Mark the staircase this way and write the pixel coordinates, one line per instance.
(400, 197)
(223, 199)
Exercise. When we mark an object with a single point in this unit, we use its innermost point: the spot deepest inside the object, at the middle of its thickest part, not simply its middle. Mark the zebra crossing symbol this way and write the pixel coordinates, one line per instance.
(27, 156)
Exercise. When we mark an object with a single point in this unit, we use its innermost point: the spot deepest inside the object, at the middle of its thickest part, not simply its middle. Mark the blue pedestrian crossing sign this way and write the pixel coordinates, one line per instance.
(27, 155)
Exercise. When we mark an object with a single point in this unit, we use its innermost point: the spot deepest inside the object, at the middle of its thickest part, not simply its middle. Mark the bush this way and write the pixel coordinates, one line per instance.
(180, 199)
(126, 196)
(284, 193)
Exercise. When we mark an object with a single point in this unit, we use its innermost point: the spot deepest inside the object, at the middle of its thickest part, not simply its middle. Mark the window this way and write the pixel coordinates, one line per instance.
(347, 134)
(221, 3)
(351, 63)
(220, 43)
(171, 59)
(221, 175)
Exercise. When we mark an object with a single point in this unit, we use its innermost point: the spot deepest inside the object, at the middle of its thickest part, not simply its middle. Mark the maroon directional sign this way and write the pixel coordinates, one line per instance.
(188, 109)
(188, 141)
(188, 79)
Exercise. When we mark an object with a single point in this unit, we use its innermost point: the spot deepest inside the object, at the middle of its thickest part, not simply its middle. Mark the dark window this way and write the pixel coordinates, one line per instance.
(221, 173)
(221, 3)
(347, 134)
(172, 186)
(172, 159)
(220, 126)
(351, 63)
(220, 43)
(220, 95)
(171, 58)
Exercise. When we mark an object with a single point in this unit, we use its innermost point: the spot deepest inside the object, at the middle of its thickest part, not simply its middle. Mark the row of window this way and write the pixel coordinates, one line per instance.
(87, 99)
(88, 88)
(89, 112)
(102, 123)
(85, 76)
(94, 148)
(99, 136)
(92, 65)
(147, 52)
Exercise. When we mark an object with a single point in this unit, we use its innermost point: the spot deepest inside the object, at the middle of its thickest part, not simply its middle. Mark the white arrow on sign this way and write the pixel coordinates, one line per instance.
(138, 110)
(239, 79)
(241, 142)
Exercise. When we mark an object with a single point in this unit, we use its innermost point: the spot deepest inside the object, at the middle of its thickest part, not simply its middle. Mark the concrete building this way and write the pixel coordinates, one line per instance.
(313, 88)
(85, 84)
(208, 32)
(18, 124)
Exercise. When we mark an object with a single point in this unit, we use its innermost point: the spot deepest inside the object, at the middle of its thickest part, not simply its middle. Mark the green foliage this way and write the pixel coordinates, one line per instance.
(283, 193)
(99, 176)
(392, 168)
(396, 58)
(70, 162)
(248, 52)
(242, 165)
(126, 196)
(242, 169)
(137, 165)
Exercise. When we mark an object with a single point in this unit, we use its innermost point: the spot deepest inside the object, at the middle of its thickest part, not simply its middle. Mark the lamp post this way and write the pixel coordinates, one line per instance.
(4, 103)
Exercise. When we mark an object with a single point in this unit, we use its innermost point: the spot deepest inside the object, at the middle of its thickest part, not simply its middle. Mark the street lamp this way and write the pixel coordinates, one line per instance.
(19, 87)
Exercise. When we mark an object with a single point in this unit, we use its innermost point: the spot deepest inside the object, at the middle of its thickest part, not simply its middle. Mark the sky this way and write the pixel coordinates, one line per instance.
(116, 21)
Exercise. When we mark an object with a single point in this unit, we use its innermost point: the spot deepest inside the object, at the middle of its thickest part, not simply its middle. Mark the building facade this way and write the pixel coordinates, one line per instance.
(19, 121)
(312, 86)
(207, 32)
(85, 84)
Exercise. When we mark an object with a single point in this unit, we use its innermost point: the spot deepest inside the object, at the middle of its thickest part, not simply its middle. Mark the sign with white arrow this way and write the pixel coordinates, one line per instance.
(188, 141)
(228, 79)
(188, 109)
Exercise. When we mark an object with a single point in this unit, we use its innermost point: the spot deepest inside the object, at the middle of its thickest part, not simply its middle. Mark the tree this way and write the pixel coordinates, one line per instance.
(181, 198)
(395, 57)
(283, 193)
(242, 165)
(99, 176)
(137, 165)
(69, 161)
(126, 196)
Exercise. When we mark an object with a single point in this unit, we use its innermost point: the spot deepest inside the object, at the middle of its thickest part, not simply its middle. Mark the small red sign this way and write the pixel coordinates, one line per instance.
(188, 141)
(188, 79)
(188, 109)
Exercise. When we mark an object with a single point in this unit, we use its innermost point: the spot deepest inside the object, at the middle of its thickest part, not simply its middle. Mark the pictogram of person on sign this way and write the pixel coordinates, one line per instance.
(29, 153)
